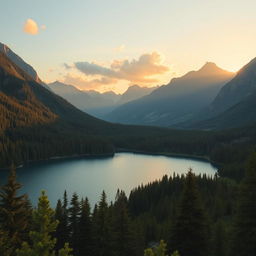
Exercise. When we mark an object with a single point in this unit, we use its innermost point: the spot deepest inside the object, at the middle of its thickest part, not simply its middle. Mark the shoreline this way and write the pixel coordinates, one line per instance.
(118, 150)
(169, 154)
(56, 158)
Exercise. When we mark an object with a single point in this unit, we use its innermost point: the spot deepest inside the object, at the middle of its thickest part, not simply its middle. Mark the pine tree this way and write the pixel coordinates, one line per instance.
(85, 231)
(102, 229)
(159, 250)
(44, 224)
(5, 246)
(244, 231)
(74, 216)
(190, 232)
(59, 233)
(14, 211)
(125, 236)
(219, 240)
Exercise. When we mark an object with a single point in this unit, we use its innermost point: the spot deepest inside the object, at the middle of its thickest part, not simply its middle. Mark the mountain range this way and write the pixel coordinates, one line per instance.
(36, 123)
(175, 102)
(95, 103)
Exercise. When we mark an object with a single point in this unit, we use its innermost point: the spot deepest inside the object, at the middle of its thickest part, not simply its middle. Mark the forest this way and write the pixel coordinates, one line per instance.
(177, 215)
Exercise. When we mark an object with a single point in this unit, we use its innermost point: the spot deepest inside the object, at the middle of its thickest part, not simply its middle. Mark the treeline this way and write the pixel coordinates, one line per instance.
(228, 148)
(195, 215)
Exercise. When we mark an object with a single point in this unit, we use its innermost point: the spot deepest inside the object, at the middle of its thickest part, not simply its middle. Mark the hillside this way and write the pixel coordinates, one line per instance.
(176, 102)
(234, 106)
(37, 124)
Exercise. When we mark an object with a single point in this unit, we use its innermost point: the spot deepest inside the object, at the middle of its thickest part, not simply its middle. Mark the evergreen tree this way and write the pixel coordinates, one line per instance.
(159, 250)
(74, 216)
(190, 232)
(244, 231)
(60, 230)
(219, 240)
(102, 229)
(85, 231)
(42, 243)
(125, 238)
(5, 246)
(14, 211)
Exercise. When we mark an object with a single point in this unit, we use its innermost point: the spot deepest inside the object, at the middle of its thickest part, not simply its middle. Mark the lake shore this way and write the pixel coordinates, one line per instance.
(118, 150)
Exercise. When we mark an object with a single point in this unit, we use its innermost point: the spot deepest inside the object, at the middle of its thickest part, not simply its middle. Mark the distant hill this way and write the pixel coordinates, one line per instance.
(175, 102)
(234, 106)
(21, 63)
(95, 103)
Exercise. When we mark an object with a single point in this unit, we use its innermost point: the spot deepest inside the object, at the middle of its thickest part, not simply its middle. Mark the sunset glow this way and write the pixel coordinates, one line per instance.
(175, 36)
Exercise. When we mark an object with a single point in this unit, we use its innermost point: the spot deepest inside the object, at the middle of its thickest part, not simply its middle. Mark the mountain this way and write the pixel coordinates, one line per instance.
(238, 89)
(234, 106)
(37, 124)
(92, 102)
(96, 103)
(135, 92)
(175, 102)
(21, 63)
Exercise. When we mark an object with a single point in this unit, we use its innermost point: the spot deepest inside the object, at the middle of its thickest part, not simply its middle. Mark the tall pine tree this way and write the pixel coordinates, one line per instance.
(102, 229)
(190, 231)
(125, 243)
(74, 216)
(14, 211)
(244, 231)
(85, 229)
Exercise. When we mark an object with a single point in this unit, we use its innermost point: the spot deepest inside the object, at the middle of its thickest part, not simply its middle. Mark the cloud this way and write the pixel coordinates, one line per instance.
(84, 84)
(120, 48)
(30, 27)
(94, 69)
(142, 70)
(66, 66)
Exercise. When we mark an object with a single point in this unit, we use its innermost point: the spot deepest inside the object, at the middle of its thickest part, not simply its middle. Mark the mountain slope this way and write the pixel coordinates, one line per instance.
(176, 102)
(91, 102)
(37, 124)
(240, 87)
(239, 115)
(234, 106)
(21, 63)
(135, 92)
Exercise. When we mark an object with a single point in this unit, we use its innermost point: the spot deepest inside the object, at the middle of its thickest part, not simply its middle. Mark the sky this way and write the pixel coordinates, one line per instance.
(112, 44)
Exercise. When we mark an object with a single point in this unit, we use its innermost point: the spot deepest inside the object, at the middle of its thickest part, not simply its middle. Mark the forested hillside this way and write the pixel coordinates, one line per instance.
(195, 215)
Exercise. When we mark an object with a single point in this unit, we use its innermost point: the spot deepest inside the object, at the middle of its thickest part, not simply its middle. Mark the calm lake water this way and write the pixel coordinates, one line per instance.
(89, 177)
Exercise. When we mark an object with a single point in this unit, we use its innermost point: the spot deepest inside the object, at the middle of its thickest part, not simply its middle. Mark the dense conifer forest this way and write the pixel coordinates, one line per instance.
(194, 215)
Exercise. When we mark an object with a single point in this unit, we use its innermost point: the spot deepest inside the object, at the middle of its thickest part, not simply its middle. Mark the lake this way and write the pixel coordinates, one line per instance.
(90, 176)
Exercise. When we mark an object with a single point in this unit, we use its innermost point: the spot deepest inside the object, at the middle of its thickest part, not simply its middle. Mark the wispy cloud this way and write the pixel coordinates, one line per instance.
(120, 48)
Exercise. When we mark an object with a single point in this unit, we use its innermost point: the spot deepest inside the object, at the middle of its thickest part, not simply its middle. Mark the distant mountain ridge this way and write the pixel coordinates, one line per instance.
(175, 102)
(95, 103)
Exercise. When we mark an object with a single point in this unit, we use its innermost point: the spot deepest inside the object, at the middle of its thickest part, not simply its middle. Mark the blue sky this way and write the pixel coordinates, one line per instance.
(183, 35)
